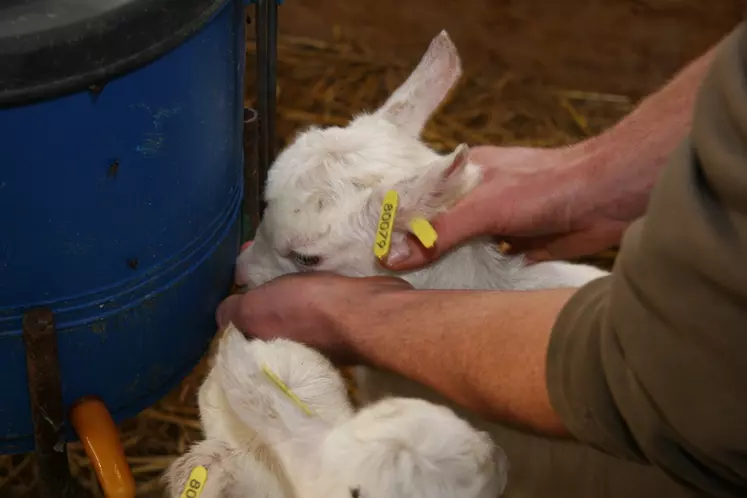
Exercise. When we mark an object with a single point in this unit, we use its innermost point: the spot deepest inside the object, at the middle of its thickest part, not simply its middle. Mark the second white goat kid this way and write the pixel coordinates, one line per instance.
(263, 442)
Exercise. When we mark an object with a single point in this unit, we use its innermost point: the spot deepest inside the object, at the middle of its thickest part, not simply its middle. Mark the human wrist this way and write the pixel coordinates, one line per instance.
(624, 162)
(611, 176)
(363, 321)
(580, 180)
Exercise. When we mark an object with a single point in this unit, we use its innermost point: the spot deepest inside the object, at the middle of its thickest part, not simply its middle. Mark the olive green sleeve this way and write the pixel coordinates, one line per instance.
(650, 363)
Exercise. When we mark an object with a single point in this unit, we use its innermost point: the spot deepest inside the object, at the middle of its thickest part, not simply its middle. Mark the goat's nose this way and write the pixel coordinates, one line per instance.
(238, 276)
(242, 283)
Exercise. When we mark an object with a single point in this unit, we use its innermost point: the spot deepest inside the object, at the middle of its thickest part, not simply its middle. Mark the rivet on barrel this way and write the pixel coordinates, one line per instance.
(96, 88)
(113, 169)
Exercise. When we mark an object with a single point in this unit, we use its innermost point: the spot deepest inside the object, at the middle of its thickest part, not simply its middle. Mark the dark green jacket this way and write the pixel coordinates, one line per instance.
(650, 363)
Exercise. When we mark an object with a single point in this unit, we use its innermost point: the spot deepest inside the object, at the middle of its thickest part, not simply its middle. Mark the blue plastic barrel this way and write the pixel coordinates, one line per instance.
(120, 190)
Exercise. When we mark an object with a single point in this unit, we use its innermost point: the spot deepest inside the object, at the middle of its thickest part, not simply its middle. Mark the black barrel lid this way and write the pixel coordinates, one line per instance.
(53, 47)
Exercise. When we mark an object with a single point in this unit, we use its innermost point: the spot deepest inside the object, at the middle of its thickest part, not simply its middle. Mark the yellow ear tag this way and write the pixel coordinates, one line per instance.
(195, 483)
(424, 231)
(286, 390)
(386, 224)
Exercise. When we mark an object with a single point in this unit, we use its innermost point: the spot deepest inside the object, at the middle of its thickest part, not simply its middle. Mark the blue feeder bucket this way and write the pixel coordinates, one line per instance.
(121, 187)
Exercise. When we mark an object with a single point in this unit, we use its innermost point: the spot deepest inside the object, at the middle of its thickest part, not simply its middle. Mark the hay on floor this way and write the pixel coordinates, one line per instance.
(324, 84)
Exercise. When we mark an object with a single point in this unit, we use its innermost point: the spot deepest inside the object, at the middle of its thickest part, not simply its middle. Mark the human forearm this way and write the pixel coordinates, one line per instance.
(626, 160)
(483, 350)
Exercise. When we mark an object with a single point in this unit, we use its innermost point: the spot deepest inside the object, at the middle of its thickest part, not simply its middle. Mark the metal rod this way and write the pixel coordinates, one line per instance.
(266, 26)
(47, 409)
(272, 59)
(252, 198)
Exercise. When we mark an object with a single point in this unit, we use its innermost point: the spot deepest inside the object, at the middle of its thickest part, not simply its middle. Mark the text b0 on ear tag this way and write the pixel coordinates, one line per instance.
(195, 483)
(385, 226)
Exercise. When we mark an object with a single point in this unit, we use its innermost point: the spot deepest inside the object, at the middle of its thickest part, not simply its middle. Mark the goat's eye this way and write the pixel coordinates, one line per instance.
(306, 260)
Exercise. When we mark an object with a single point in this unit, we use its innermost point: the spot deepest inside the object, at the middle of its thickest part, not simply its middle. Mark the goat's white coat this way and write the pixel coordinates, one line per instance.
(324, 194)
(396, 447)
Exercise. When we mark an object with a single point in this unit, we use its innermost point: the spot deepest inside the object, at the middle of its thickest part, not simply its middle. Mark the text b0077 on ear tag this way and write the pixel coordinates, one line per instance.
(195, 483)
(385, 227)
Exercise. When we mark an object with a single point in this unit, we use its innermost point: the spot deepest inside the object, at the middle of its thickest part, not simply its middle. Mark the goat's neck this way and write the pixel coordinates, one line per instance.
(475, 265)
(479, 265)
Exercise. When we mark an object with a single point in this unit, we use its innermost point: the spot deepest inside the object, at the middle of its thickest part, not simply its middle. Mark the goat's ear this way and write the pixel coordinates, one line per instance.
(254, 375)
(413, 103)
(443, 183)
(253, 395)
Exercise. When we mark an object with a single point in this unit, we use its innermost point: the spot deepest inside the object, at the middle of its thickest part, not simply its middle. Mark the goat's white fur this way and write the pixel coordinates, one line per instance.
(396, 447)
(324, 193)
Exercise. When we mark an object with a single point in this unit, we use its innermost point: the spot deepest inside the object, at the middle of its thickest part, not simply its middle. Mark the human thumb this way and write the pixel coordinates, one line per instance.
(228, 311)
(465, 220)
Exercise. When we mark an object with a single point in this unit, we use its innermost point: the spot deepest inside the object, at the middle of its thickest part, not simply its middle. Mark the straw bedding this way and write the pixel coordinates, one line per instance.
(323, 84)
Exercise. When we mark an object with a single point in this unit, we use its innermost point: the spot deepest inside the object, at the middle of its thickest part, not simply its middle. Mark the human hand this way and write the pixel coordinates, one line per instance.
(545, 203)
(306, 307)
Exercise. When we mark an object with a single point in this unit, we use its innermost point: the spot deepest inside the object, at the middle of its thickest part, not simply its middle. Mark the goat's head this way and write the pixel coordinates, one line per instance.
(324, 191)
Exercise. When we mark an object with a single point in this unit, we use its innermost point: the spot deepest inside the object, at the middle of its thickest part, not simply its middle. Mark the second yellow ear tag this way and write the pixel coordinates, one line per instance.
(286, 390)
(384, 229)
(195, 483)
(424, 231)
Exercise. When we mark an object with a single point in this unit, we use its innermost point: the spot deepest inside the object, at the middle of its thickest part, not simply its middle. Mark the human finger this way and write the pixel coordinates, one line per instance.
(467, 219)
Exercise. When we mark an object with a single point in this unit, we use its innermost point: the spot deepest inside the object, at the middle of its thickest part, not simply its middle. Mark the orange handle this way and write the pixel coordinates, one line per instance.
(100, 439)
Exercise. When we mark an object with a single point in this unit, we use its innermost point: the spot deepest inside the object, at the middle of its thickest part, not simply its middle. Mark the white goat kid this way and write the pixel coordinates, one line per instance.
(396, 448)
(324, 195)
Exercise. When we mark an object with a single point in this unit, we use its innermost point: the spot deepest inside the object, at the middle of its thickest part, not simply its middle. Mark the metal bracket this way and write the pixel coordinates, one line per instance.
(47, 408)
(251, 208)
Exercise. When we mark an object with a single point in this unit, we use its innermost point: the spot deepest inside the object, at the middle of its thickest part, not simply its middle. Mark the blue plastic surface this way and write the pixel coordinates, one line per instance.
(121, 212)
